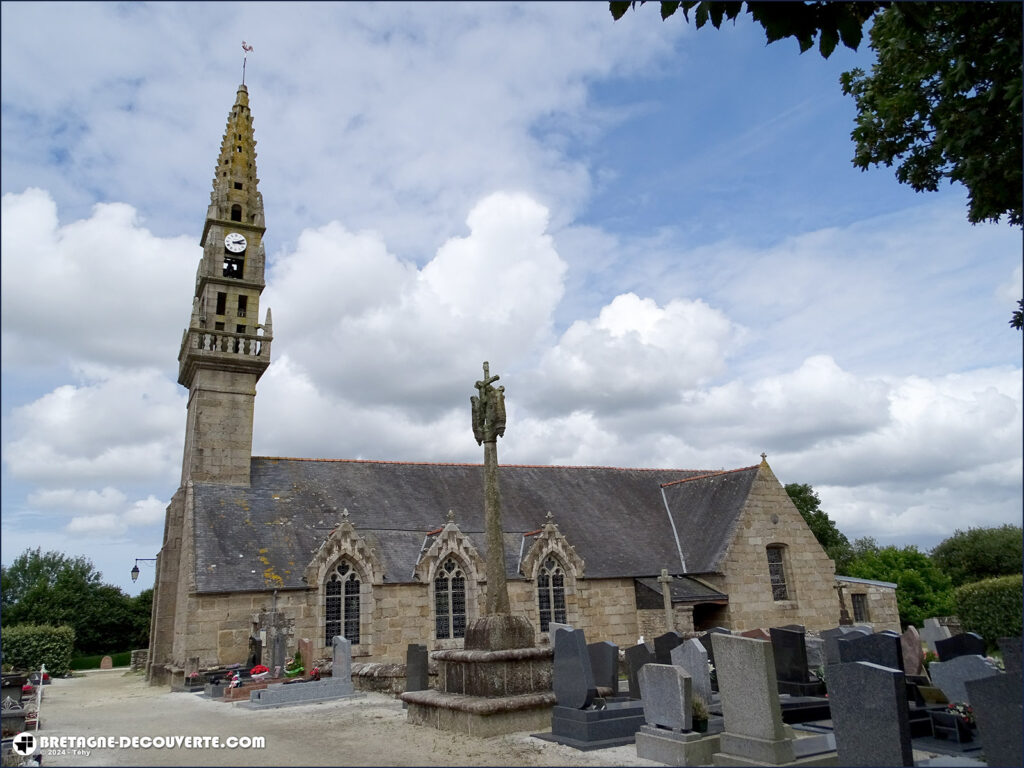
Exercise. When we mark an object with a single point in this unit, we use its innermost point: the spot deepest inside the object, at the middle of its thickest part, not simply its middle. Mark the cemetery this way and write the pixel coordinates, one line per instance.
(775, 696)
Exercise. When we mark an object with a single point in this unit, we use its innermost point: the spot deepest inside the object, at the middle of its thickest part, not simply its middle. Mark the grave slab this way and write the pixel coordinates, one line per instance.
(869, 715)
(999, 711)
(964, 644)
(950, 676)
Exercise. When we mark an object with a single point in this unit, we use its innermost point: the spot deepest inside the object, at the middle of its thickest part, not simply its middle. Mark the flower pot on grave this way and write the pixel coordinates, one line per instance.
(949, 725)
(700, 724)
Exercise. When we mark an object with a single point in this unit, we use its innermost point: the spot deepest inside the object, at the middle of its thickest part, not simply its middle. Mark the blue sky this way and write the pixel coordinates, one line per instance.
(683, 268)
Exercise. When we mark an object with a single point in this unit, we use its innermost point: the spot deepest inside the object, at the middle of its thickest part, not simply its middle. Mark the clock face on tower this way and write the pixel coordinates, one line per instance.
(235, 242)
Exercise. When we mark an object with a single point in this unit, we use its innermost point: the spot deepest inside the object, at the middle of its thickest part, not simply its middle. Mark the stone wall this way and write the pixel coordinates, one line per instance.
(881, 602)
(770, 518)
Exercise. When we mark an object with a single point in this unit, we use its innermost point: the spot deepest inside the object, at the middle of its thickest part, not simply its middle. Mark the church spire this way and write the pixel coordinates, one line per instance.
(225, 350)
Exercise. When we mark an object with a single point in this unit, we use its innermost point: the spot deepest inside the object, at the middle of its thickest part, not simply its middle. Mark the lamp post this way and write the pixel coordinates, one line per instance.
(135, 568)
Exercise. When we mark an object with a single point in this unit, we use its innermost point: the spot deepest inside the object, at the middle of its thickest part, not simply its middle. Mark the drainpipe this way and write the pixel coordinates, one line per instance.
(675, 533)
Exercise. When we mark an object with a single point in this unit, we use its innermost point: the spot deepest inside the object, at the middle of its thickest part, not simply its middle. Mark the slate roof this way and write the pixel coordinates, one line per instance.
(263, 536)
(685, 590)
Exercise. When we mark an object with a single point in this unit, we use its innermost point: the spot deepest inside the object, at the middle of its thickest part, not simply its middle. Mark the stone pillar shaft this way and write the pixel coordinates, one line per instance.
(497, 590)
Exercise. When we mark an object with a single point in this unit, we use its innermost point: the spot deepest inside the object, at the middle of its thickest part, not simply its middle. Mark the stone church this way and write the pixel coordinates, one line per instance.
(371, 550)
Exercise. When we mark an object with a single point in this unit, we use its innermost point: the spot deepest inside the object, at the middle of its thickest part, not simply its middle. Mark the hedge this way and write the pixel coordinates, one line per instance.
(27, 646)
(992, 607)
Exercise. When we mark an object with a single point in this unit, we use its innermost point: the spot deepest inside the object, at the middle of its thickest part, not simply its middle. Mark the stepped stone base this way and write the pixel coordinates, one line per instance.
(674, 748)
(480, 716)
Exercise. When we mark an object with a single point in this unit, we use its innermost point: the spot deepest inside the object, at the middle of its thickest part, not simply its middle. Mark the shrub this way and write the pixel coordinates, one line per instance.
(122, 659)
(992, 607)
(27, 646)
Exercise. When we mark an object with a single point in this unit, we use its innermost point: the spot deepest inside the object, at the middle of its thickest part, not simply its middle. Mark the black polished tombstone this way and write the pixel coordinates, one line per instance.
(604, 663)
(636, 657)
(965, 644)
(790, 653)
(705, 640)
(663, 645)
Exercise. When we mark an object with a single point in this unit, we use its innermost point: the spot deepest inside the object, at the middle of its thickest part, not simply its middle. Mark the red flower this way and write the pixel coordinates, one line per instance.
(258, 669)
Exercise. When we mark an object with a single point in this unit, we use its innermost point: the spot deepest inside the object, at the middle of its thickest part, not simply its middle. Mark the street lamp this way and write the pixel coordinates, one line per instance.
(135, 568)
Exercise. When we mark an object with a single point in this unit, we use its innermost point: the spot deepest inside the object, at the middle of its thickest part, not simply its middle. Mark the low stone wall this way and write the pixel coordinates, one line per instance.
(385, 678)
(139, 660)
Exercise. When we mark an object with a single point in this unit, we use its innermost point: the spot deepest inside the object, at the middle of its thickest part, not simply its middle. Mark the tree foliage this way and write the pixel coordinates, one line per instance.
(832, 540)
(980, 553)
(829, 22)
(943, 101)
(992, 607)
(54, 589)
(922, 589)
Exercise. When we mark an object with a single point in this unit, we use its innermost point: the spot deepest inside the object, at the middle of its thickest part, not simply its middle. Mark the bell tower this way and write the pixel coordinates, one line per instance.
(225, 350)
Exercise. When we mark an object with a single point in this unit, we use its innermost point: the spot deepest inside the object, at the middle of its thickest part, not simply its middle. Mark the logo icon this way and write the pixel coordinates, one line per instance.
(24, 744)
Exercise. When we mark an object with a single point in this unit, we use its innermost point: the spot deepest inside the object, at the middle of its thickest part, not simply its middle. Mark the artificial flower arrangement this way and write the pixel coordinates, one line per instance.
(294, 666)
(963, 711)
(259, 672)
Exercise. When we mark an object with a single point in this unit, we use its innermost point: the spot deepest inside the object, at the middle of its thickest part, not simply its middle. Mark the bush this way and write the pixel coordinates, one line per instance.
(992, 607)
(27, 646)
(122, 659)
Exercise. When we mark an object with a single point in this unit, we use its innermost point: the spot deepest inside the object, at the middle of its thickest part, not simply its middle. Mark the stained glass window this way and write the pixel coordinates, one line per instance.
(450, 601)
(777, 572)
(551, 593)
(342, 605)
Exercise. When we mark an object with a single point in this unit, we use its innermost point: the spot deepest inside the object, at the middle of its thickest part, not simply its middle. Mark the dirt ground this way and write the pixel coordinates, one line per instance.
(364, 731)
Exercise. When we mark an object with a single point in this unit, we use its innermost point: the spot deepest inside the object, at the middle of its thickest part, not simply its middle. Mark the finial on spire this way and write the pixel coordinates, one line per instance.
(451, 515)
(344, 514)
(764, 456)
(549, 518)
(247, 49)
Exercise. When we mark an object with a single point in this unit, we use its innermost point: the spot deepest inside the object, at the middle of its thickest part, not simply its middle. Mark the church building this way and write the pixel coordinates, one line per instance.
(390, 553)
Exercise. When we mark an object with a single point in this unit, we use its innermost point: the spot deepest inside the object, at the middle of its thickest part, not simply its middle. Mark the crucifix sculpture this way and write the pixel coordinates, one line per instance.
(488, 425)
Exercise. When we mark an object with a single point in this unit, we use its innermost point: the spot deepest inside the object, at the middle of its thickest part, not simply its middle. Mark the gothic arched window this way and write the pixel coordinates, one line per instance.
(450, 600)
(551, 593)
(341, 596)
(777, 570)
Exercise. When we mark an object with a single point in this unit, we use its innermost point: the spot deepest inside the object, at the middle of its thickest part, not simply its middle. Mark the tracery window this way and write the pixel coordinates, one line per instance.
(450, 600)
(342, 604)
(860, 606)
(551, 593)
(777, 571)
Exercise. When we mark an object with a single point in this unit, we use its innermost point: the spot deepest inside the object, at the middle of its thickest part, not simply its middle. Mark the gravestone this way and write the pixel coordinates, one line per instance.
(693, 659)
(573, 680)
(417, 670)
(815, 652)
(106, 663)
(663, 645)
(964, 644)
(790, 656)
(636, 657)
(757, 634)
(255, 651)
(666, 693)
(950, 676)
(705, 640)
(1011, 649)
(278, 652)
(881, 648)
(913, 651)
(932, 632)
(869, 715)
(553, 627)
(337, 686)
(604, 665)
(794, 627)
(998, 711)
(305, 651)
(754, 730)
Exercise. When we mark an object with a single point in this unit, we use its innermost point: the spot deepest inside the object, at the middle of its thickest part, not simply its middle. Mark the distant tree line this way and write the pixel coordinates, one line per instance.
(54, 589)
(927, 582)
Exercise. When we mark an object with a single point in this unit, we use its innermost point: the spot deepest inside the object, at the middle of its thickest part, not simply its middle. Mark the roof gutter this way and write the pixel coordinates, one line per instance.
(675, 533)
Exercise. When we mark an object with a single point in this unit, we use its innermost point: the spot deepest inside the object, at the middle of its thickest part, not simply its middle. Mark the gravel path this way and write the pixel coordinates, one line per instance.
(365, 731)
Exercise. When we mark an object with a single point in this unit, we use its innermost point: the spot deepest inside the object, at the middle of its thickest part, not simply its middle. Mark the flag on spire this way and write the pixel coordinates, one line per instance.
(246, 47)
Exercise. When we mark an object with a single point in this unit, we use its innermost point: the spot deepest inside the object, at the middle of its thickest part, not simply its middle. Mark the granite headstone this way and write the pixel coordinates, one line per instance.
(572, 679)
(1011, 650)
(604, 665)
(663, 645)
(999, 712)
(636, 657)
(666, 693)
(881, 648)
(950, 676)
(933, 631)
(869, 715)
(417, 672)
(964, 644)
(693, 659)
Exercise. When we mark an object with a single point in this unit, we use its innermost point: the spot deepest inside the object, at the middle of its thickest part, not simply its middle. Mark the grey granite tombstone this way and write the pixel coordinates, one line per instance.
(705, 640)
(417, 672)
(815, 652)
(964, 644)
(636, 657)
(572, 679)
(341, 668)
(913, 651)
(278, 651)
(831, 639)
(754, 730)
(998, 711)
(933, 631)
(663, 645)
(604, 665)
(950, 676)
(554, 626)
(1011, 649)
(869, 715)
(881, 648)
(666, 693)
(337, 686)
(693, 658)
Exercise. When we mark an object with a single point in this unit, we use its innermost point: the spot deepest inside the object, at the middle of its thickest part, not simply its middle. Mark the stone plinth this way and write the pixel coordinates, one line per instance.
(673, 748)
(587, 729)
(487, 693)
(294, 694)
(500, 632)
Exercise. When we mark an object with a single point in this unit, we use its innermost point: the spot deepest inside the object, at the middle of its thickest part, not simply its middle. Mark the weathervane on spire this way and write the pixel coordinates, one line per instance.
(247, 49)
